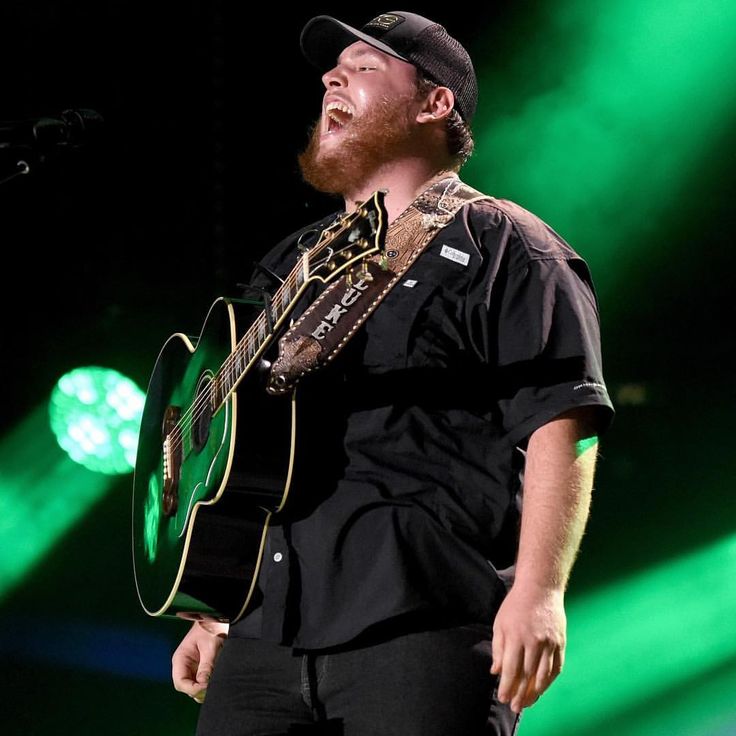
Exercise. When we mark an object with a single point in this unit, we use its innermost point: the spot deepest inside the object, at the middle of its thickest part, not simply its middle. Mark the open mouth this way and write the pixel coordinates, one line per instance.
(338, 116)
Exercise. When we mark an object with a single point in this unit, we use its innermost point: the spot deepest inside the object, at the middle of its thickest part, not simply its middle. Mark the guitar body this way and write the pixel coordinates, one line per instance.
(203, 498)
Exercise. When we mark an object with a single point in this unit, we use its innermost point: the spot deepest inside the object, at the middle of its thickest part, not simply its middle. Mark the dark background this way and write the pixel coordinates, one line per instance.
(111, 248)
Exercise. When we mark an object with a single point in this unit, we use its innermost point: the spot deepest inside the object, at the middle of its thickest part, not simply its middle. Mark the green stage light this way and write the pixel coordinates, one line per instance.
(95, 415)
(600, 118)
(643, 642)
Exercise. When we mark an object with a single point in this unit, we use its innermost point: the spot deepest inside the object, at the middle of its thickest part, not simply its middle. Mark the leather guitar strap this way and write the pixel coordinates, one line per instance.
(333, 318)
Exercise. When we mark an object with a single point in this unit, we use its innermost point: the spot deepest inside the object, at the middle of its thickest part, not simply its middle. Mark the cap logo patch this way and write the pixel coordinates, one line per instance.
(384, 22)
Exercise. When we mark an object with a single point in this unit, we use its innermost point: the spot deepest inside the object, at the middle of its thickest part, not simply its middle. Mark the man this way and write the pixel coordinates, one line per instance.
(401, 595)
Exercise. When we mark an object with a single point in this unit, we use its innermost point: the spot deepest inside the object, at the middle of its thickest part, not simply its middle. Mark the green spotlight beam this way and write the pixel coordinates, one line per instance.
(706, 707)
(639, 638)
(42, 494)
(599, 121)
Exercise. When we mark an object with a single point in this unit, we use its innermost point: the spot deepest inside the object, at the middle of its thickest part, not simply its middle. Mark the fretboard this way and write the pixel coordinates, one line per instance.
(258, 335)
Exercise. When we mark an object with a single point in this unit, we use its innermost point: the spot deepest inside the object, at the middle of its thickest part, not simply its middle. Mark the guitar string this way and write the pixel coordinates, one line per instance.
(197, 409)
(203, 400)
(229, 367)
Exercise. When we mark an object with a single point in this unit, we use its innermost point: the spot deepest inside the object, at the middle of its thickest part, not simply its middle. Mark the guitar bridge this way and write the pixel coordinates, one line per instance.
(172, 454)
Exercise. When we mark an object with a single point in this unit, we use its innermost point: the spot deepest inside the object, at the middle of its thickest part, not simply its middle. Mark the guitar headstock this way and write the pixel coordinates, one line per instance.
(350, 239)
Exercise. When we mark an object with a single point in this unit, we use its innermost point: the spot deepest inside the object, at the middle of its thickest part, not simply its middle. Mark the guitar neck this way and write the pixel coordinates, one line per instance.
(347, 241)
(260, 333)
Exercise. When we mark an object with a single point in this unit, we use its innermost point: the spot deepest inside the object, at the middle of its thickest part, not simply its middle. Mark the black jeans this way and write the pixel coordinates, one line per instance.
(427, 683)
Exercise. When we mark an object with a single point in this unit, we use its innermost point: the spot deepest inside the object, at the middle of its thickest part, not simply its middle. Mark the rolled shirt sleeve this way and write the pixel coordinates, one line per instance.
(537, 326)
(549, 347)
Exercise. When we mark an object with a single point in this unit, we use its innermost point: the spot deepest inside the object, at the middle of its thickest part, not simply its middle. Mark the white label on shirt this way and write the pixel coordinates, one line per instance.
(455, 255)
(411, 283)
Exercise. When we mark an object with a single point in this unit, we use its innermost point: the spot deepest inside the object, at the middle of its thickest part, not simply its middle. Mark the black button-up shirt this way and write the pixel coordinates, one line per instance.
(410, 446)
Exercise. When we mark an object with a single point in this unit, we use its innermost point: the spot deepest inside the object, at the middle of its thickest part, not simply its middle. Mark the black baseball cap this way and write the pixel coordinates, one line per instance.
(407, 36)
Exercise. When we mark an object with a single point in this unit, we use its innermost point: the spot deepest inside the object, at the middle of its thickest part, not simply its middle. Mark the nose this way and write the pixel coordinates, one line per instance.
(335, 77)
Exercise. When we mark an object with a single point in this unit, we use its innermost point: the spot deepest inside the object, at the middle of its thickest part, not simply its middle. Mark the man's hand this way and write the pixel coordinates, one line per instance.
(528, 644)
(194, 659)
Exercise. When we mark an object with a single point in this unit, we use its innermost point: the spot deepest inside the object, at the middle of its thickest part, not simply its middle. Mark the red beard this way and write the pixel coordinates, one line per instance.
(382, 134)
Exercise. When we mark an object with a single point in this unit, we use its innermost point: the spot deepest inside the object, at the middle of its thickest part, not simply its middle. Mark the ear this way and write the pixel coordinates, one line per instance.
(438, 104)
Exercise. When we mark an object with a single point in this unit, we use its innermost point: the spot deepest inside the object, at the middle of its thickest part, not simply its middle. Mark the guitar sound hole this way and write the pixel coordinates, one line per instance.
(202, 416)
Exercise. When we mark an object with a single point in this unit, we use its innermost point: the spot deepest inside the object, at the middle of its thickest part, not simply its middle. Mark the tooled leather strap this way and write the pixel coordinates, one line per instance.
(333, 318)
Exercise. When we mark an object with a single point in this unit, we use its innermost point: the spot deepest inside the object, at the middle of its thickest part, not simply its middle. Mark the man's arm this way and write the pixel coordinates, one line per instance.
(529, 630)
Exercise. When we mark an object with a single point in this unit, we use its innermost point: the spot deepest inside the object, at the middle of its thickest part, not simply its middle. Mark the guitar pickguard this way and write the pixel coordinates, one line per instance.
(203, 488)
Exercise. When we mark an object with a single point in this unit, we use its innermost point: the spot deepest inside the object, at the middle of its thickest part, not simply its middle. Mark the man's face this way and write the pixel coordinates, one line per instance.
(368, 118)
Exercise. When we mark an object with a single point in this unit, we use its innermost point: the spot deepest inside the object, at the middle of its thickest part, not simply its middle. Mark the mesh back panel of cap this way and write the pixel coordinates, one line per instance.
(447, 62)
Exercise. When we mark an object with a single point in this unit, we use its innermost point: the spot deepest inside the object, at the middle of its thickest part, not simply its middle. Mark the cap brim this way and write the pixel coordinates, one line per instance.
(324, 37)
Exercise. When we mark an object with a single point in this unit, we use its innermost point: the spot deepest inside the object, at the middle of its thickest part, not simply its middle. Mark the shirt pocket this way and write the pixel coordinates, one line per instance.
(388, 331)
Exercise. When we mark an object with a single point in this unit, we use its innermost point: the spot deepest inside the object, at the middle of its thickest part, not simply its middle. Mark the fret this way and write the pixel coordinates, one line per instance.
(285, 296)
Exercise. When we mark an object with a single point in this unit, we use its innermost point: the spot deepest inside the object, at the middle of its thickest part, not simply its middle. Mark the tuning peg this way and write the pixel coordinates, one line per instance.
(365, 274)
(349, 277)
(347, 254)
(383, 262)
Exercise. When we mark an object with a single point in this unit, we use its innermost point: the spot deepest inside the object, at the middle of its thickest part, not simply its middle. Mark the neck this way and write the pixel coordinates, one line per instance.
(404, 180)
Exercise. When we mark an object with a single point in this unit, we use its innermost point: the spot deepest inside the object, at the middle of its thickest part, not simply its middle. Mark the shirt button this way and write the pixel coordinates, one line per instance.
(278, 557)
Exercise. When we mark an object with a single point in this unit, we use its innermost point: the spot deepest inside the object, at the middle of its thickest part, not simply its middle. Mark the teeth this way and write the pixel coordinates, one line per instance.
(341, 107)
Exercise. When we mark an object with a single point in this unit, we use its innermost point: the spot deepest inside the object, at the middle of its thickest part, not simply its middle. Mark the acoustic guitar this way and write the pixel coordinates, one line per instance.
(216, 451)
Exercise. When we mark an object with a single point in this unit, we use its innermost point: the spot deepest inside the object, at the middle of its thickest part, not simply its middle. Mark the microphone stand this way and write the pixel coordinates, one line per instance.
(34, 140)
(22, 167)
